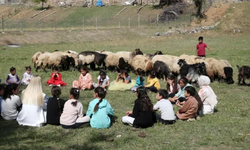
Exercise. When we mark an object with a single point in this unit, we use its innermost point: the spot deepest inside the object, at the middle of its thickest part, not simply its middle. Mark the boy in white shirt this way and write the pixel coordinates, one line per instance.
(165, 107)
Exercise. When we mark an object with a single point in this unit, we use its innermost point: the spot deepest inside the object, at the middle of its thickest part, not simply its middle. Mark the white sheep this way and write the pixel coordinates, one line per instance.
(42, 60)
(192, 59)
(143, 62)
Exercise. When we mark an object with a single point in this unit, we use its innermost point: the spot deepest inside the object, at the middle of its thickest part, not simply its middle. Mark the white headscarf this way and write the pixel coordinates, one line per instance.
(206, 92)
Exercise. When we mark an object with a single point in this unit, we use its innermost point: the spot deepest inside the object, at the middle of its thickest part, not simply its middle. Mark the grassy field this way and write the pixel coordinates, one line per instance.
(227, 129)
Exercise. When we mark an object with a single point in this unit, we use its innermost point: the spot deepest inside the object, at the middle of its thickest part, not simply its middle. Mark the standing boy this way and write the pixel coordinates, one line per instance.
(201, 47)
(165, 107)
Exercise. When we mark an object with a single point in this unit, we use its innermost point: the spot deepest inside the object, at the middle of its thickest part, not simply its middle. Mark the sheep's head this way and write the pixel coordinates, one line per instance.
(181, 62)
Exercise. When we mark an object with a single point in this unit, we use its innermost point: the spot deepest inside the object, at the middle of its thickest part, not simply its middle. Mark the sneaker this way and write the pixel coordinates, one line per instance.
(58, 85)
(191, 119)
(51, 85)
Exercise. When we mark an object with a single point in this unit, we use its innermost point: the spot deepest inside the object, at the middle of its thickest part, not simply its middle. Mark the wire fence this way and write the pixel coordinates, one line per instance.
(53, 21)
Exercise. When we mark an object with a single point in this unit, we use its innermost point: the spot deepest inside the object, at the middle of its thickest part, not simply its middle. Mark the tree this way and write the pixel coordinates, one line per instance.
(198, 5)
(39, 1)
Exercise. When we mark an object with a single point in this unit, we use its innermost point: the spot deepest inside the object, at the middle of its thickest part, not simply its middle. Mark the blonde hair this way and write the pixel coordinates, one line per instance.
(33, 94)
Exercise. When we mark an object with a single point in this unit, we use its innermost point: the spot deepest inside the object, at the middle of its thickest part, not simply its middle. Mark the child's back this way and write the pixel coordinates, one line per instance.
(100, 118)
(9, 107)
(166, 109)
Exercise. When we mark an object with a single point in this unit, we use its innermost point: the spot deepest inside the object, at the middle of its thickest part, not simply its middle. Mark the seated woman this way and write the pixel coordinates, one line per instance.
(172, 85)
(207, 95)
(154, 84)
(183, 82)
(34, 107)
(122, 82)
(189, 107)
(142, 115)
(85, 80)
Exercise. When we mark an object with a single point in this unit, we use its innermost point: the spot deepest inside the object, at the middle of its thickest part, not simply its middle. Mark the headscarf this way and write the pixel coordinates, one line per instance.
(206, 92)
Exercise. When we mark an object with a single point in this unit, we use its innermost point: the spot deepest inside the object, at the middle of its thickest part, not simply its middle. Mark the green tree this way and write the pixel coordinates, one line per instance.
(39, 1)
(198, 5)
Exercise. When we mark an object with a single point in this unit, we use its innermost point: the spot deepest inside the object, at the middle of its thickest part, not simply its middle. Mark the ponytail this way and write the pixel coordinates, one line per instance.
(75, 93)
(101, 94)
(97, 105)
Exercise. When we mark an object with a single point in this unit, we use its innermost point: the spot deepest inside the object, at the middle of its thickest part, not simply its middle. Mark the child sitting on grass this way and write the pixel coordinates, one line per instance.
(139, 80)
(85, 81)
(27, 76)
(122, 82)
(72, 116)
(11, 103)
(55, 106)
(99, 110)
(165, 107)
(154, 84)
(103, 80)
(56, 78)
(189, 107)
(12, 78)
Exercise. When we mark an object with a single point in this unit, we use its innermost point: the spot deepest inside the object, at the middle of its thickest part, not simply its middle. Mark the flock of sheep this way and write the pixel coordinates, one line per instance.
(187, 65)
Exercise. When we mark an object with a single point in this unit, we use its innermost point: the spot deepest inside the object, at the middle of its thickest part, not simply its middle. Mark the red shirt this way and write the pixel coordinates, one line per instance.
(201, 49)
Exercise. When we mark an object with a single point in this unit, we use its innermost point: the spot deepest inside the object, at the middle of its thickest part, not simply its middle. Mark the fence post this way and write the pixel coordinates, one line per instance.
(157, 20)
(128, 22)
(83, 23)
(2, 25)
(138, 20)
(96, 23)
(21, 28)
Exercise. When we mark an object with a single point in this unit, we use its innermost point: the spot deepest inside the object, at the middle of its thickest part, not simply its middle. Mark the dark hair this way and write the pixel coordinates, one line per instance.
(138, 51)
(191, 90)
(9, 90)
(2, 87)
(27, 67)
(145, 102)
(152, 74)
(102, 73)
(56, 91)
(125, 72)
(172, 77)
(163, 93)
(139, 72)
(200, 38)
(101, 93)
(84, 68)
(12, 69)
(184, 80)
(75, 92)
(56, 68)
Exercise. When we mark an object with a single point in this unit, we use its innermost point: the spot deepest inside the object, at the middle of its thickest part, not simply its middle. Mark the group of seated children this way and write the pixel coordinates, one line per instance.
(35, 109)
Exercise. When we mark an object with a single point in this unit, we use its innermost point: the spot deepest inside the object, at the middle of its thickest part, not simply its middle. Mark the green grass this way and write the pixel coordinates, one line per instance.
(226, 129)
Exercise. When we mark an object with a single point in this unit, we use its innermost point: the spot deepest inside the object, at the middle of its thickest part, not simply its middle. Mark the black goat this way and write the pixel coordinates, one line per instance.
(161, 70)
(244, 73)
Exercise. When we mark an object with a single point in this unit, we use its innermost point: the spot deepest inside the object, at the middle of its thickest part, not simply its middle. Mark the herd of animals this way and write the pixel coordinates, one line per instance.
(185, 65)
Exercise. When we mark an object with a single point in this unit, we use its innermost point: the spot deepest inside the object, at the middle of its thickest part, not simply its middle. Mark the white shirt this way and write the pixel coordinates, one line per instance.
(9, 107)
(103, 81)
(26, 77)
(166, 109)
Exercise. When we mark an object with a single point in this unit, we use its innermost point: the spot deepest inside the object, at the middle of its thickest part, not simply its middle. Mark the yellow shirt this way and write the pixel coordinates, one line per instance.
(153, 82)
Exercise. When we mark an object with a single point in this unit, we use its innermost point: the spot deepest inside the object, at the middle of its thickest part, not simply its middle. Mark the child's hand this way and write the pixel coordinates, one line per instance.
(103, 86)
(128, 113)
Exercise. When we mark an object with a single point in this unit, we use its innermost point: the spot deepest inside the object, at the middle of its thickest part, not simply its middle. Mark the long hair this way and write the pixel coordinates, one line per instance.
(101, 93)
(56, 91)
(75, 92)
(9, 90)
(33, 94)
(139, 73)
(172, 77)
(145, 102)
(191, 90)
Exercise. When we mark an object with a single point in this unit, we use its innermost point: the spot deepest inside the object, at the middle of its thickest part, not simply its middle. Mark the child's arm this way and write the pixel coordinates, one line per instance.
(127, 79)
(209, 48)
(117, 78)
(152, 82)
(59, 77)
(106, 84)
